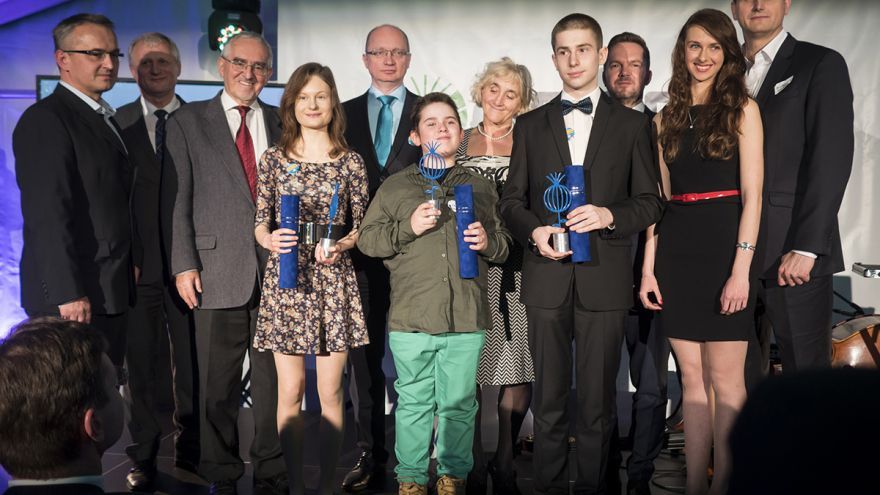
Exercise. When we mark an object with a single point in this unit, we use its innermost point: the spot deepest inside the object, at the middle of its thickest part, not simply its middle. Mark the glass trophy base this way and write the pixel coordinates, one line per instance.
(436, 204)
(327, 244)
(560, 242)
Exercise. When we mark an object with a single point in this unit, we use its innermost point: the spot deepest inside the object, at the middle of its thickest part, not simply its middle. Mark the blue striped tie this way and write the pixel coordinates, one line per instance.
(382, 141)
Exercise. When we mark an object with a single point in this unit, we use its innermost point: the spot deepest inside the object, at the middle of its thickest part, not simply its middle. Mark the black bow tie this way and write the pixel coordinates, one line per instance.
(585, 105)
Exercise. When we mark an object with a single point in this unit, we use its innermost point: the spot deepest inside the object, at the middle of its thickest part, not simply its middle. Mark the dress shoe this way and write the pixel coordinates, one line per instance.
(141, 477)
(275, 485)
(450, 485)
(224, 488)
(476, 482)
(365, 474)
(412, 489)
(503, 483)
(638, 487)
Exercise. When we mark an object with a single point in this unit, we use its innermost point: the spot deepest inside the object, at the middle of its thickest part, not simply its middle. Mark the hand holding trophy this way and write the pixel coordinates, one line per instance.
(557, 199)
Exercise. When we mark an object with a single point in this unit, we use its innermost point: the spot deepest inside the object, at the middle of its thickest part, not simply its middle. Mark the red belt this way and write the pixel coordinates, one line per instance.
(691, 197)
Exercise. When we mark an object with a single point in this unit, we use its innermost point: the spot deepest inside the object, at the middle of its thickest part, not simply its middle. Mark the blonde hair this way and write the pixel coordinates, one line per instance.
(505, 68)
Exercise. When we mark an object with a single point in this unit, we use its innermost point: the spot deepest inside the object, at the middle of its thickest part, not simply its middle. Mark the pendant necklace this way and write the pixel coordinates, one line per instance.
(691, 118)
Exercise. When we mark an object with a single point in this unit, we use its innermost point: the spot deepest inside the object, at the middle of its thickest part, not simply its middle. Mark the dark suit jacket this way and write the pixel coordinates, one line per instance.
(402, 154)
(145, 197)
(621, 175)
(207, 204)
(808, 152)
(75, 181)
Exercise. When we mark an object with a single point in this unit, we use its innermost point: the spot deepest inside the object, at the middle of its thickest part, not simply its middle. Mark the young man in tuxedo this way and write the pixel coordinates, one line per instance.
(208, 192)
(60, 407)
(581, 303)
(80, 258)
(806, 101)
(377, 129)
(154, 61)
(626, 72)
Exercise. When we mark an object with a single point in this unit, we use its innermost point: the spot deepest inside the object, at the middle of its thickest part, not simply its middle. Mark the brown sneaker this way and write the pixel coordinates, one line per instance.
(449, 485)
(412, 489)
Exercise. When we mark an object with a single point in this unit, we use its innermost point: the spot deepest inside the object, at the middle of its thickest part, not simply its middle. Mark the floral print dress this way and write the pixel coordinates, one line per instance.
(324, 313)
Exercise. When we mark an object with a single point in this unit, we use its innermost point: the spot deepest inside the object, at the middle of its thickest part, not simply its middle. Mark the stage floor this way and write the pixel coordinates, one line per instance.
(176, 482)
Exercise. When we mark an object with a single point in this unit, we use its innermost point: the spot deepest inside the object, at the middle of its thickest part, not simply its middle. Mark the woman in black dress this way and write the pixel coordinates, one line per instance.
(711, 164)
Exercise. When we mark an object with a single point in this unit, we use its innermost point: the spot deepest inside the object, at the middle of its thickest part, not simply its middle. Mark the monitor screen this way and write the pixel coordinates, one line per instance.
(126, 90)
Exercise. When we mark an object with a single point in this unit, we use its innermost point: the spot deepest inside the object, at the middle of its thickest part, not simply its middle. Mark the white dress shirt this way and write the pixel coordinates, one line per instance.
(150, 118)
(100, 106)
(756, 71)
(255, 122)
(581, 124)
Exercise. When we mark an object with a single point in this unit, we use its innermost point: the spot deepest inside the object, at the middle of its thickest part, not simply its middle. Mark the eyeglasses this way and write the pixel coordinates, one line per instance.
(240, 65)
(98, 55)
(384, 52)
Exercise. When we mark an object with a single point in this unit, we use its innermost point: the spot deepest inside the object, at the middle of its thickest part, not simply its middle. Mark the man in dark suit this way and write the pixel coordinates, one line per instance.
(155, 64)
(626, 72)
(806, 102)
(586, 302)
(60, 407)
(208, 192)
(75, 178)
(376, 128)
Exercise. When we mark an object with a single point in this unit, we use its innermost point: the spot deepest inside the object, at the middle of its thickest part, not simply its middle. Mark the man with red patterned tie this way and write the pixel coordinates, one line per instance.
(208, 190)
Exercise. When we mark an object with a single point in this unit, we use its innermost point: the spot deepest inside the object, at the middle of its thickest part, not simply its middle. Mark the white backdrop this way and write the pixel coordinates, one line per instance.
(451, 40)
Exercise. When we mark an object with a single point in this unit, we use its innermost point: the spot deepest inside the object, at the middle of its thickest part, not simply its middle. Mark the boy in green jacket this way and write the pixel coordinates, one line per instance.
(437, 319)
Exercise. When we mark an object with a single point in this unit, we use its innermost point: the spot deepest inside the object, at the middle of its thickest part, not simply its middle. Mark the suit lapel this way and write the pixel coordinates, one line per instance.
(601, 116)
(778, 69)
(273, 123)
(557, 128)
(222, 144)
(403, 129)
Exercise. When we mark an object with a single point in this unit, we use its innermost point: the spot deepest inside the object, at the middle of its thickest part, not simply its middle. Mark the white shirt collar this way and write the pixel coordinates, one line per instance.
(228, 103)
(771, 49)
(398, 92)
(95, 105)
(96, 480)
(592, 95)
(150, 109)
(640, 107)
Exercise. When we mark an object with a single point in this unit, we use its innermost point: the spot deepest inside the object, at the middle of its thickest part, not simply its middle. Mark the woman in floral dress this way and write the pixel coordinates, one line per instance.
(323, 314)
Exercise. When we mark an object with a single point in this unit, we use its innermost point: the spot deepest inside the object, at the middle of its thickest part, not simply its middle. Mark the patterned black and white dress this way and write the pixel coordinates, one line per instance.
(506, 359)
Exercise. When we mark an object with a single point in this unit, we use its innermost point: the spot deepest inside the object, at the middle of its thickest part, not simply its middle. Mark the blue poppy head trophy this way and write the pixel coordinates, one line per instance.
(328, 242)
(557, 199)
(432, 166)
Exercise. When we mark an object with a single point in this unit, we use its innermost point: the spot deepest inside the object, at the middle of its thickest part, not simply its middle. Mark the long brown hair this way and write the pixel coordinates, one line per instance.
(291, 131)
(718, 132)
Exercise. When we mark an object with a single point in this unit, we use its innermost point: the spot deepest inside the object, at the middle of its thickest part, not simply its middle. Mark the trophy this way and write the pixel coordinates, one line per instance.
(580, 241)
(328, 242)
(557, 199)
(432, 166)
(287, 263)
(464, 216)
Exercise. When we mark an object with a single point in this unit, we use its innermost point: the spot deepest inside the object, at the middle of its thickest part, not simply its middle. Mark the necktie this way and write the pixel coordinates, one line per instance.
(161, 115)
(245, 146)
(585, 105)
(382, 142)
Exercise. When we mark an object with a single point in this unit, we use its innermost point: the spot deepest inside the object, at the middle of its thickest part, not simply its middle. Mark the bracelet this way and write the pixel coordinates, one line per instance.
(745, 246)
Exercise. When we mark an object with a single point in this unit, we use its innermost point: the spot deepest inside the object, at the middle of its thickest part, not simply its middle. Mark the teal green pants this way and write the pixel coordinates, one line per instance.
(436, 374)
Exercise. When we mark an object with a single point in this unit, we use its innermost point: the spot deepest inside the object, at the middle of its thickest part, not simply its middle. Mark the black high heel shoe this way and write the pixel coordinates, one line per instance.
(503, 482)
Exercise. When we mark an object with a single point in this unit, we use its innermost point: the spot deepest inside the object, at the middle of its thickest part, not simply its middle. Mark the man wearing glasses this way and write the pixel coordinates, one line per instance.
(208, 190)
(376, 129)
(79, 255)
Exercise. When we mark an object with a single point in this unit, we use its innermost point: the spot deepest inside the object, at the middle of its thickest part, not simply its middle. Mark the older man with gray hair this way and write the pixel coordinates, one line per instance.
(208, 191)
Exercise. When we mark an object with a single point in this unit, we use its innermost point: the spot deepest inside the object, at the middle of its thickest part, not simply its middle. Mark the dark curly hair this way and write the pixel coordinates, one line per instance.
(718, 132)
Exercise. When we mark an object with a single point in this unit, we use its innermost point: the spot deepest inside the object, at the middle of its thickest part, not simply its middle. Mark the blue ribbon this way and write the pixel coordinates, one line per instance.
(464, 216)
(288, 262)
(579, 242)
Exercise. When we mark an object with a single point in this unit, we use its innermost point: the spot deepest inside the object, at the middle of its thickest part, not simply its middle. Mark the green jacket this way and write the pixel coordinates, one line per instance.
(427, 294)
